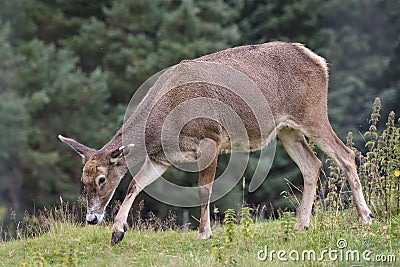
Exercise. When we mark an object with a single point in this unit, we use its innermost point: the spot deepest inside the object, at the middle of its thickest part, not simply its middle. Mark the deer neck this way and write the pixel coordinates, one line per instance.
(131, 136)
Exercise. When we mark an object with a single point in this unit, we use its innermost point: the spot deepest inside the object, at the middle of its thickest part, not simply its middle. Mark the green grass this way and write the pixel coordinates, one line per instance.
(66, 244)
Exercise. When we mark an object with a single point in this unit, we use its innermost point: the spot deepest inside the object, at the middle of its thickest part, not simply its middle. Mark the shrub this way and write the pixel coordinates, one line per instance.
(378, 170)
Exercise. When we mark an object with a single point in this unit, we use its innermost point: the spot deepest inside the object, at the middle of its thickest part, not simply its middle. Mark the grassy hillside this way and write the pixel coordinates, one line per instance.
(342, 237)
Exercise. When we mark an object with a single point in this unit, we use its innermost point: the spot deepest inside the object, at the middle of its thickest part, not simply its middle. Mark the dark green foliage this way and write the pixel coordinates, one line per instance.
(139, 38)
(357, 42)
(266, 20)
(40, 82)
(13, 123)
(53, 83)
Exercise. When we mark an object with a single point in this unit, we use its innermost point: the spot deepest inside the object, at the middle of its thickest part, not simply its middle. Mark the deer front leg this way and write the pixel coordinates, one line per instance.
(206, 179)
(149, 172)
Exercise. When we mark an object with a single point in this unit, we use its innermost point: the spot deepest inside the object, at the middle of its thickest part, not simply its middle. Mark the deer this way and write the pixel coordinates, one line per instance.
(293, 81)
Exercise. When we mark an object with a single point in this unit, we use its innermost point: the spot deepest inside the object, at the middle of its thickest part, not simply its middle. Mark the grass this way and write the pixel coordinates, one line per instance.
(68, 244)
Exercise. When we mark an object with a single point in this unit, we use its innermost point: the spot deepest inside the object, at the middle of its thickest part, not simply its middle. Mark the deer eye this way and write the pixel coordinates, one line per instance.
(101, 180)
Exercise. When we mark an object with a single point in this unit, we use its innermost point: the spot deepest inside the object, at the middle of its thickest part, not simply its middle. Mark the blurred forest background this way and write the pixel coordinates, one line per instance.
(71, 67)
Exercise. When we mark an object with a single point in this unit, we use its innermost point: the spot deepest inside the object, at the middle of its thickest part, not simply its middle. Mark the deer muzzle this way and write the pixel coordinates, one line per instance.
(94, 218)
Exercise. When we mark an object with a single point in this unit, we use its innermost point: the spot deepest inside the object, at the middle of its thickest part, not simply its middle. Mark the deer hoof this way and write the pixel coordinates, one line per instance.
(367, 220)
(116, 237)
(301, 227)
(203, 236)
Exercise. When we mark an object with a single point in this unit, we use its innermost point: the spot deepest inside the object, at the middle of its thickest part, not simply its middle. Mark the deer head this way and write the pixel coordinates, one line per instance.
(102, 172)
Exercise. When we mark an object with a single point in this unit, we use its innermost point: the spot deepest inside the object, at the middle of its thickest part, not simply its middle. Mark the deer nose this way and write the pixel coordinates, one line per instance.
(91, 219)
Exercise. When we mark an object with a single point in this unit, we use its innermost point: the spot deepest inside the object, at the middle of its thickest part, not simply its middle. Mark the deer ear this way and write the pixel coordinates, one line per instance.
(82, 150)
(119, 153)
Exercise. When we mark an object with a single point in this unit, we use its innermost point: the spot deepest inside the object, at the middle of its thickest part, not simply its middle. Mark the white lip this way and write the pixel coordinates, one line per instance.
(90, 217)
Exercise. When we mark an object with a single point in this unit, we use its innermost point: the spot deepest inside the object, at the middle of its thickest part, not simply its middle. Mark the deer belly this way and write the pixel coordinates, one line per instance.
(245, 145)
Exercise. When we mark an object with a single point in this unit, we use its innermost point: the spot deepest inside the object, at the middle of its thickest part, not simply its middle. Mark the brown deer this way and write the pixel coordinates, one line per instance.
(294, 85)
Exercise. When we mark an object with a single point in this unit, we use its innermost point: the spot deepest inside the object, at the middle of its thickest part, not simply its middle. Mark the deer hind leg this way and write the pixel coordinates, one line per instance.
(296, 146)
(327, 140)
(206, 179)
(149, 172)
